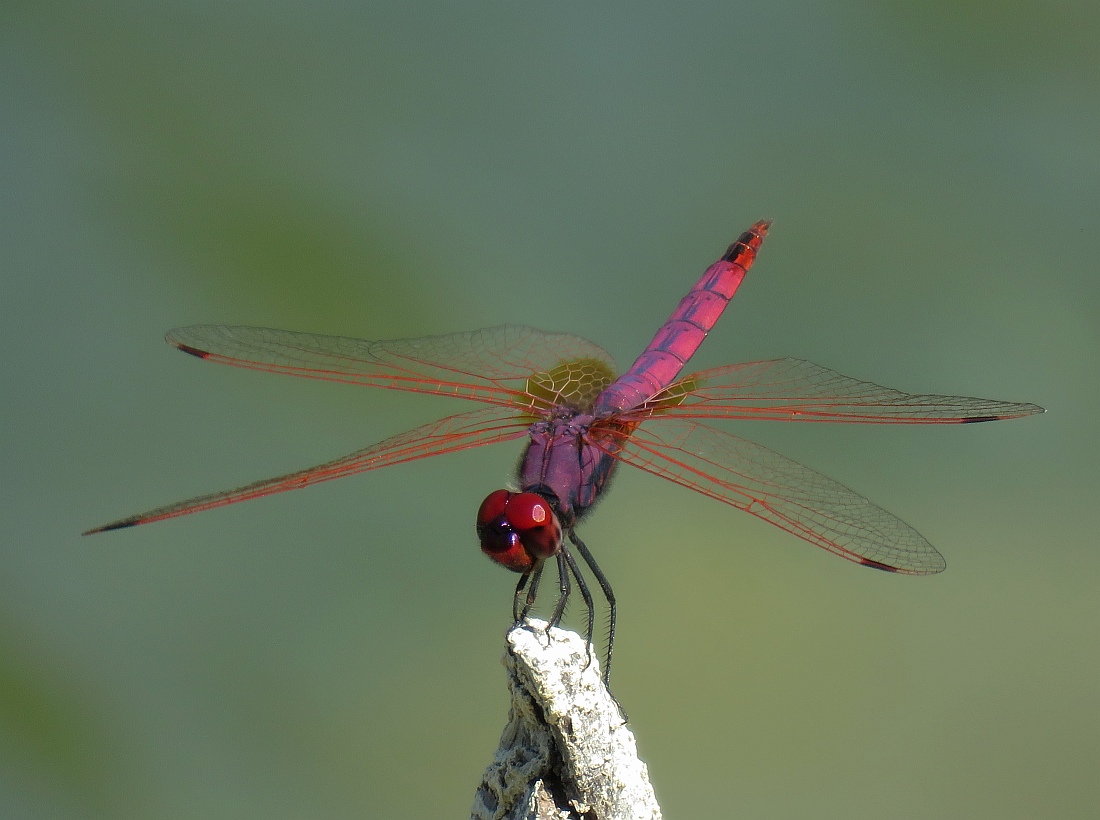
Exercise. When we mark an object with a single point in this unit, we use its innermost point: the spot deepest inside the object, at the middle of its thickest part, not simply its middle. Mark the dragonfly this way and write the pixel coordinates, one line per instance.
(560, 393)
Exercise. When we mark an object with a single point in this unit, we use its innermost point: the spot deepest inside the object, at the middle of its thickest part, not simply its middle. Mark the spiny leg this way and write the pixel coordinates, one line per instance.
(532, 592)
(563, 591)
(516, 609)
(582, 585)
(608, 594)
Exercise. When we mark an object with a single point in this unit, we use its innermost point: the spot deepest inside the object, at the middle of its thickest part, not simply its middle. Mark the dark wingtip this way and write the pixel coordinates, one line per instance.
(194, 351)
(867, 562)
(118, 525)
(1018, 411)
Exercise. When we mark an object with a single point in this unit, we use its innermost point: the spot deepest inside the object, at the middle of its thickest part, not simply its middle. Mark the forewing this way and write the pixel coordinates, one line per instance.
(490, 365)
(780, 491)
(798, 390)
(486, 426)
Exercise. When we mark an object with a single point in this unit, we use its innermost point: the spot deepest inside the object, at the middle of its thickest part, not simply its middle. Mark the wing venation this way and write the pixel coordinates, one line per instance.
(798, 390)
(489, 365)
(778, 490)
(485, 426)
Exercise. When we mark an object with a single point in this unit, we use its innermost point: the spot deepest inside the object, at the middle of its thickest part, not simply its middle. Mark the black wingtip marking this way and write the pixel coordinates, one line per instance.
(118, 525)
(867, 562)
(194, 351)
(976, 419)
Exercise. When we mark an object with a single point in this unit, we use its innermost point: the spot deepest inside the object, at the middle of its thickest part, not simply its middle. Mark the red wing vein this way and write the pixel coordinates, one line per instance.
(782, 492)
(489, 365)
(447, 435)
(798, 390)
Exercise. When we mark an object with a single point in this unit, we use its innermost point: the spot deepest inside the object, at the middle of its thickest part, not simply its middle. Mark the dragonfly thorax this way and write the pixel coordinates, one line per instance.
(563, 464)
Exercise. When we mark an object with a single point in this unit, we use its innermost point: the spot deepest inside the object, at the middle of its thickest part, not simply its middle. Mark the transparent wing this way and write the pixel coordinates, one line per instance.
(798, 390)
(780, 491)
(485, 426)
(490, 365)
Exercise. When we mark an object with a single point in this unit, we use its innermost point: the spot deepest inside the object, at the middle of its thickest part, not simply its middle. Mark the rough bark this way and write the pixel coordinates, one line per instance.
(566, 753)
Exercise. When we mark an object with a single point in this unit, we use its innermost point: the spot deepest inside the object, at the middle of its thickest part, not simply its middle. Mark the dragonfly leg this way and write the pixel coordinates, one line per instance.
(532, 592)
(517, 608)
(582, 585)
(608, 594)
(563, 591)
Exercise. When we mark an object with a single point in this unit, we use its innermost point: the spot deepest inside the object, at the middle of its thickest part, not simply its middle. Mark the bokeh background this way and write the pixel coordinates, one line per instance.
(389, 170)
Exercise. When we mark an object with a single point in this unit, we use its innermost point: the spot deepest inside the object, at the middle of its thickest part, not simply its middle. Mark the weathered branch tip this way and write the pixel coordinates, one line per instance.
(566, 752)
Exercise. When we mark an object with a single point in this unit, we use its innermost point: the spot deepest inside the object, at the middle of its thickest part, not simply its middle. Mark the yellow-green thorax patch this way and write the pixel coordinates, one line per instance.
(570, 384)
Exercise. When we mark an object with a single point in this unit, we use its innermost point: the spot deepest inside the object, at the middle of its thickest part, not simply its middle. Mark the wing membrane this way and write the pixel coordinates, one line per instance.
(485, 426)
(782, 492)
(798, 390)
(490, 365)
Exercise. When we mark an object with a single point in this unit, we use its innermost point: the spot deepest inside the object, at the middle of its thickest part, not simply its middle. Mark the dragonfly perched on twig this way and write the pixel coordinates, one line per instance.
(560, 392)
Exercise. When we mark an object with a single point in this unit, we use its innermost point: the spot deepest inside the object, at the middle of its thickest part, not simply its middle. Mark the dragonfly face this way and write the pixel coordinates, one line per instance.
(518, 530)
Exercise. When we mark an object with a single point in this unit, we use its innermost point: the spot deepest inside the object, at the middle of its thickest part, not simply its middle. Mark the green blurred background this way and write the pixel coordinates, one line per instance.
(393, 170)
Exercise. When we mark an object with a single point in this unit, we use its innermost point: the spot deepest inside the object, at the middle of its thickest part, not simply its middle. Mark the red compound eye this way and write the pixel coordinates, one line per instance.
(534, 520)
(492, 507)
(517, 530)
(526, 511)
(499, 539)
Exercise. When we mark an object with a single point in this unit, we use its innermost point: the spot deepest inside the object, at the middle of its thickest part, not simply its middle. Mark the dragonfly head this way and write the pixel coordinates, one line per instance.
(518, 530)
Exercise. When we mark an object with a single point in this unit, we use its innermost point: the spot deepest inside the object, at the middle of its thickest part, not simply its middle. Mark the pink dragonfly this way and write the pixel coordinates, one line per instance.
(560, 393)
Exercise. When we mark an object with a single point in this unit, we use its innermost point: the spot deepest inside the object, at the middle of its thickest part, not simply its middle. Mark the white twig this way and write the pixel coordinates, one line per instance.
(566, 753)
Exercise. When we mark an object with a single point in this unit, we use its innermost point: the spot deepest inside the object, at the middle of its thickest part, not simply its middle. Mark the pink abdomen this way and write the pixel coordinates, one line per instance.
(681, 335)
